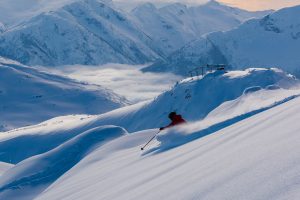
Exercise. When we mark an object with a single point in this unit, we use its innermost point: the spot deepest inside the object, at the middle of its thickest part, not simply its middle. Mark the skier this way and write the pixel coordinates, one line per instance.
(176, 120)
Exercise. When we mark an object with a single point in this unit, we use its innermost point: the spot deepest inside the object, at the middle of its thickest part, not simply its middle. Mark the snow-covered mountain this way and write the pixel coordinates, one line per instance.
(273, 41)
(105, 162)
(4, 167)
(195, 99)
(83, 32)
(247, 160)
(174, 25)
(13, 12)
(96, 32)
(29, 96)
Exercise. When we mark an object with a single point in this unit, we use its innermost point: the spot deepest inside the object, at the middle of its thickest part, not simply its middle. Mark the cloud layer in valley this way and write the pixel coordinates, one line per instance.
(124, 80)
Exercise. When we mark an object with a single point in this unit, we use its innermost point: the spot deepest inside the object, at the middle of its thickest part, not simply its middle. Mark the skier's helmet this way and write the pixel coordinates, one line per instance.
(172, 114)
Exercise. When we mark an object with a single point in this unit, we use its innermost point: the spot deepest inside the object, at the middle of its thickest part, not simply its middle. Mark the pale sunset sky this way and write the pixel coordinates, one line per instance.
(245, 4)
(261, 4)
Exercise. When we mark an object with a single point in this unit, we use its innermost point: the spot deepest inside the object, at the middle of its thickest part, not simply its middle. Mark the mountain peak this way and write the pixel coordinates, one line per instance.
(213, 3)
(145, 6)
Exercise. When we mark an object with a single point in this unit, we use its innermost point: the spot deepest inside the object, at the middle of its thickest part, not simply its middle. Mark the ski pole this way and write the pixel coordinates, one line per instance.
(150, 140)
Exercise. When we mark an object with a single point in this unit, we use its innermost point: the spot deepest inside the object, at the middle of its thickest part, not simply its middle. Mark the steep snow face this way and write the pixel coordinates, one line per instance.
(174, 25)
(268, 42)
(83, 32)
(247, 160)
(196, 98)
(30, 177)
(25, 90)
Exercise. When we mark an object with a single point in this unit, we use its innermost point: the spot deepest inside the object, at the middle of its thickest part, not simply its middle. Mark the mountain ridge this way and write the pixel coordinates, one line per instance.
(91, 32)
(269, 42)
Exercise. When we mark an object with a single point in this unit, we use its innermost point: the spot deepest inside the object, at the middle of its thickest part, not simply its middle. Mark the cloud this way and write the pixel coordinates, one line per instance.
(125, 80)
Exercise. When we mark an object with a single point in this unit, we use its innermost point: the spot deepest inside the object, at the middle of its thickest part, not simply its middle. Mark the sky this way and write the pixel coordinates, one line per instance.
(245, 4)
(12, 11)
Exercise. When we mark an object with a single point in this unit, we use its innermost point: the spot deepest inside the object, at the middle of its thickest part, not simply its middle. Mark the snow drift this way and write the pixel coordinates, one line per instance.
(256, 158)
(33, 175)
(195, 99)
(225, 115)
(26, 90)
(4, 167)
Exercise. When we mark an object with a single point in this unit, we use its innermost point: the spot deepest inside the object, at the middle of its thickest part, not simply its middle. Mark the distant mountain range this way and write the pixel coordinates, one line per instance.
(174, 25)
(97, 32)
(273, 41)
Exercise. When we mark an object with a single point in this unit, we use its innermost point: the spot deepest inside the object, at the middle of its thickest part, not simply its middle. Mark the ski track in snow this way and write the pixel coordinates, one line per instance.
(247, 160)
(120, 163)
(177, 137)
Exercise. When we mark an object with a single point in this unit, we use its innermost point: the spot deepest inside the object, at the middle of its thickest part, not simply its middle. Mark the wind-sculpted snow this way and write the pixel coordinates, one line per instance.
(25, 90)
(273, 41)
(4, 167)
(256, 158)
(181, 135)
(30, 177)
(195, 99)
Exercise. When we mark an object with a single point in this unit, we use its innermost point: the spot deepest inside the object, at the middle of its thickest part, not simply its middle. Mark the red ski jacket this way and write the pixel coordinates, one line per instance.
(177, 120)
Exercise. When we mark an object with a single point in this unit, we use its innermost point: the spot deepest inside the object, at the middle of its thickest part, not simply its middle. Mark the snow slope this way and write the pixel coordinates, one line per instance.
(176, 24)
(25, 90)
(82, 32)
(4, 167)
(15, 11)
(194, 99)
(273, 41)
(256, 158)
(33, 175)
